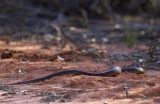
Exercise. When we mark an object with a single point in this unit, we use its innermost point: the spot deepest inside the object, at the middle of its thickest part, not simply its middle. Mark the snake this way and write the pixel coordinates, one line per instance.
(112, 71)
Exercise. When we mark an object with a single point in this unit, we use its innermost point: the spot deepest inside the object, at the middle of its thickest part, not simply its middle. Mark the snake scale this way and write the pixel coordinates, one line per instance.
(112, 71)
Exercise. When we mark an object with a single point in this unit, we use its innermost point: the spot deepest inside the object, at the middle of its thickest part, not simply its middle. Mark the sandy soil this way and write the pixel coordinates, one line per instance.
(29, 61)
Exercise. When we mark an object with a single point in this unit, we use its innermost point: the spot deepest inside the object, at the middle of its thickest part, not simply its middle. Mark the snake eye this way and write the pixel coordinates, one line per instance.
(116, 69)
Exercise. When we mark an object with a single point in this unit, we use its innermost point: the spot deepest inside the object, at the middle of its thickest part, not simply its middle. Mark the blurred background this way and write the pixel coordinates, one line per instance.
(99, 21)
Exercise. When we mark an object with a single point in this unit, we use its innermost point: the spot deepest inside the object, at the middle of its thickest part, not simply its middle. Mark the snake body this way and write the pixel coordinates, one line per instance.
(113, 71)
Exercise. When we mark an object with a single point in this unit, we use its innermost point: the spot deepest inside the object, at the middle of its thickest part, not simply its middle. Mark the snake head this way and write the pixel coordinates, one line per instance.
(138, 69)
(116, 70)
(134, 69)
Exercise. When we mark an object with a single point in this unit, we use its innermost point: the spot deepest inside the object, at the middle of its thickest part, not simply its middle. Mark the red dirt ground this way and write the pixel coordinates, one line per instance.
(29, 61)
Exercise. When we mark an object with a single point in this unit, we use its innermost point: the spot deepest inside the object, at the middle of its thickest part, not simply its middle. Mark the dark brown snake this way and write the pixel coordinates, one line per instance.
(113, 71)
